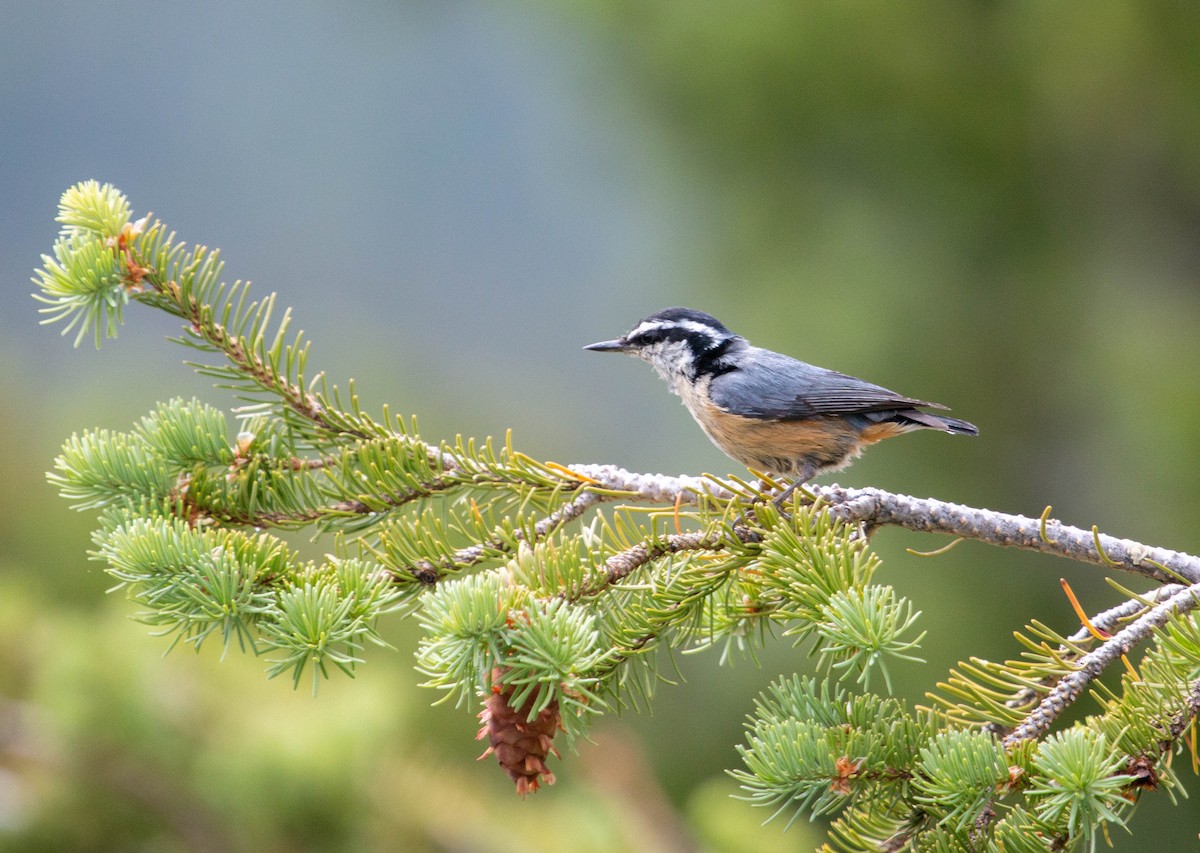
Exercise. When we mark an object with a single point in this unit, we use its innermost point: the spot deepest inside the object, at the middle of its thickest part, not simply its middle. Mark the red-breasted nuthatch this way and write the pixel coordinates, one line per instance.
(768, 411)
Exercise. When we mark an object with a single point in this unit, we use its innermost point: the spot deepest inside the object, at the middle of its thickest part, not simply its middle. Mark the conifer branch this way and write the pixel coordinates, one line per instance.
(471, 555)
(1104, 622)
(249, 363)
(546, 621)
(615, 484)
(1090, 666)
(876, 507)
(619, 566)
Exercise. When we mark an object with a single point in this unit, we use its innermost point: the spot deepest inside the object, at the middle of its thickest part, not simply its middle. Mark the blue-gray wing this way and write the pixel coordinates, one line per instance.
(781, 388)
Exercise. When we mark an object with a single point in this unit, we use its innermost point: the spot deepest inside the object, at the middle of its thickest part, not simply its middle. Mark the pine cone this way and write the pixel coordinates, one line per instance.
(520, 745)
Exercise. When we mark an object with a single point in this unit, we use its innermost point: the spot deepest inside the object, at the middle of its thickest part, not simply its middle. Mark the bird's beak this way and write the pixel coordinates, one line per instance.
(618, 345)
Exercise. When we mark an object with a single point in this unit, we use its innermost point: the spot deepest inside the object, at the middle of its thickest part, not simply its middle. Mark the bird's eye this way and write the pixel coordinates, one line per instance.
(647, 338)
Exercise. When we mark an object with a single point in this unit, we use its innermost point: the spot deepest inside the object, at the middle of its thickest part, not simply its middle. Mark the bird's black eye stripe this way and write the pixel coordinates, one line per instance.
(648, 337)
(697, 340)
(709, 361)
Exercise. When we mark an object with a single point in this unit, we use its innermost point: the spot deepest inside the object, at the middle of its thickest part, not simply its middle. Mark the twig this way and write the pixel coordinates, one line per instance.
(618, 483)
(1184, 718)
(1108, 619)
(1070, 686)
(1105, 621)
(301, 402)
(620, 566)
(429, 573)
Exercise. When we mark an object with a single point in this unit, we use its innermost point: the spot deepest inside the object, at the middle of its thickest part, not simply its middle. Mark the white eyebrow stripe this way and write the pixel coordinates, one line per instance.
(686, 325)
(642, 328)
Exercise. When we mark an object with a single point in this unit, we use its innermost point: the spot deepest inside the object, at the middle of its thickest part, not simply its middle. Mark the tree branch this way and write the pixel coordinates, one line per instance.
(620, 566)
(875, 507)
(1068, 689)
(465, 557)
(1105, 621)
(202, 325)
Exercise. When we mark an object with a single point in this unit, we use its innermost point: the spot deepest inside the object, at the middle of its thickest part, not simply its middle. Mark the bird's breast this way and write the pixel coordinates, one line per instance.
(775, 446)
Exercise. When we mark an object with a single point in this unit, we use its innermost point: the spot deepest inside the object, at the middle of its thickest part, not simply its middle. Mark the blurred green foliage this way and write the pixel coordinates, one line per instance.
(995, 205)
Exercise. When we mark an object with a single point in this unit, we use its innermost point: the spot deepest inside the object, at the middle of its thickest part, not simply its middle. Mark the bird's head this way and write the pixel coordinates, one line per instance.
(678, 342)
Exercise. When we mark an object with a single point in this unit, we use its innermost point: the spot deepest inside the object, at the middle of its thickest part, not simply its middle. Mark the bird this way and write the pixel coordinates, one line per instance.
(769, 411)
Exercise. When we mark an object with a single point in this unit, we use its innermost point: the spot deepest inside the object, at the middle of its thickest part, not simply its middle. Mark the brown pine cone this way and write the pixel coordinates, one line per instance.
(520, 745)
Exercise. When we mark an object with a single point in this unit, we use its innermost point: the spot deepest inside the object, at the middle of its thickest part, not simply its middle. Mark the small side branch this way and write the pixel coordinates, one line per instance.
(1091, 665)
(1184, 719)
(234, 348)
(620, 566)
(470, 555)
(1106, 621)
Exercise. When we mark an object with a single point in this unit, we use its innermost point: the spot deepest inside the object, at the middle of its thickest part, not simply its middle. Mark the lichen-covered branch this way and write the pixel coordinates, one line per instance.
(875, 507)
(1105, 622)
(1091, 665)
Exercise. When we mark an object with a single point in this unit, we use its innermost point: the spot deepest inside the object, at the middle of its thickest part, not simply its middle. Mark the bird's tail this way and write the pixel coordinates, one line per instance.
(954, 426)
(906, 420)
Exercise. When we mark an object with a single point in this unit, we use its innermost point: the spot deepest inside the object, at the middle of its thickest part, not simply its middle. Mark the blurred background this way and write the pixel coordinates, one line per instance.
(993, 205)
